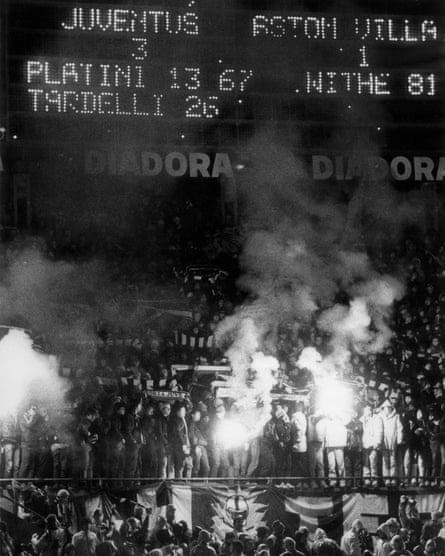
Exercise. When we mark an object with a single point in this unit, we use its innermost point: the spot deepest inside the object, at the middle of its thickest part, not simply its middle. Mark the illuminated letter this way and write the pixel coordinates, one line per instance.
(69, 72)
(181, 164)
(68, 105)
(35, 93)
(120, 21)
(199, 165)
(190, 23)
(429, 30)
(104, 25)
(222, 165)
(406, 171)
(322, 167)
(106, 103)
(407, 29)
(316, 83)
(278, 28)
(259, 25)
(73, 25)
(48, 81)
(151, 164)
(441, 169)
(33, 69)
(53, 97)
(423, 168)
(380, 84)
(88, 107)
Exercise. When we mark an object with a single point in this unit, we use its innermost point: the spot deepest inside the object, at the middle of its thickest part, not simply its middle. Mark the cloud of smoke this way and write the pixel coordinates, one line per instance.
(26, 375)
(306, 259)
(60, 302)
(253, 371)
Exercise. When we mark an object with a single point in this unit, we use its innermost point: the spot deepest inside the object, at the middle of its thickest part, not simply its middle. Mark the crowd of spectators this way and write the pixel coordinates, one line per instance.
(111, 533)
(114, 425)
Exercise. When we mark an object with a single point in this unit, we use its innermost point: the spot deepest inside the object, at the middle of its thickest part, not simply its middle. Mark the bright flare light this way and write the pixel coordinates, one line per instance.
(231, 434)
(333, 398)
(20, 367)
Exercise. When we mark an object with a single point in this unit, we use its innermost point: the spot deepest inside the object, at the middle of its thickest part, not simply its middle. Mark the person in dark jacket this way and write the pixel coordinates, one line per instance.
(180, 443)
(162, 431)
(433, 418)
(85, 442)
(149, 452)
(133, 442)
(275, 443)
(199, 445)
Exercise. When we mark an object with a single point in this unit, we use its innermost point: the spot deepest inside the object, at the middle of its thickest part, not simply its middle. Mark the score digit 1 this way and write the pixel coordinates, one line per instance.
(419, 84)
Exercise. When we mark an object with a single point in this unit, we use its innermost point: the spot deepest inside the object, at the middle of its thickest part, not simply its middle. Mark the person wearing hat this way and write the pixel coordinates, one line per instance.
(163, 441)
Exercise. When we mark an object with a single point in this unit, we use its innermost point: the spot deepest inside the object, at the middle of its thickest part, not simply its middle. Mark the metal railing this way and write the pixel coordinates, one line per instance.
(304, 483)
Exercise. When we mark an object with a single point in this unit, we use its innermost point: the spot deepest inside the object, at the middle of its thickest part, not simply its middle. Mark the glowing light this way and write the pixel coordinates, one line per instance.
(333, 397)
(21, 367)
(231, 434)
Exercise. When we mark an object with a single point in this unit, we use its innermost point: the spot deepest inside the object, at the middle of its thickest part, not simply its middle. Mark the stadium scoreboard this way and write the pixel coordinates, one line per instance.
(221, 61)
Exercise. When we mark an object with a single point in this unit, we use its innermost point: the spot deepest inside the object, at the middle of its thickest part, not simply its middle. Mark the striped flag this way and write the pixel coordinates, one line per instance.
(212, 506)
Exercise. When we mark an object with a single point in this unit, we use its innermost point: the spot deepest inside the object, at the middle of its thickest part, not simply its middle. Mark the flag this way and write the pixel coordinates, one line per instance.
(214, 505)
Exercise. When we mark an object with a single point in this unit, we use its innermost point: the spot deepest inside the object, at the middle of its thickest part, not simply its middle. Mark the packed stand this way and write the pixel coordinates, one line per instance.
(139, 534)
(114, 427)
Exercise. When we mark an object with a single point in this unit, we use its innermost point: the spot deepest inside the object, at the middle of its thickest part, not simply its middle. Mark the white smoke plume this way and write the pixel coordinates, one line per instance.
(26, 376)
(360, 327)
(253, 371)
(305, 260)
